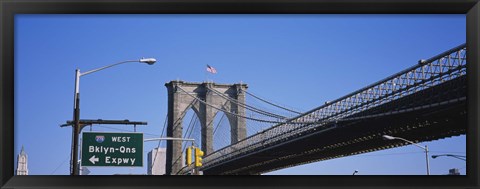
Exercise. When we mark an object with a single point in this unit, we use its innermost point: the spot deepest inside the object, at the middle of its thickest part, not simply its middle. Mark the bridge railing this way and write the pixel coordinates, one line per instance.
(427, 73)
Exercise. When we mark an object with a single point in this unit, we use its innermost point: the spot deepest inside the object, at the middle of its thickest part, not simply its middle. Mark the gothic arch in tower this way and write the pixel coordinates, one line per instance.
(206, 99)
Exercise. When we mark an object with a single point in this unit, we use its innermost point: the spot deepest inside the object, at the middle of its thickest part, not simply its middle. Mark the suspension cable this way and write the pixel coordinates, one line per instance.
(278, 106)
(247, 106)
(231, 113)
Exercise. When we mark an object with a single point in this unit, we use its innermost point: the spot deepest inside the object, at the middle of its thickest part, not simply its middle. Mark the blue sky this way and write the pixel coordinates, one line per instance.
(296, 60)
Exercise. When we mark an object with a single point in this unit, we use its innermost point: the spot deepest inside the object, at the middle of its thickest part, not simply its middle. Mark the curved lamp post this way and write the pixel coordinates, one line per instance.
(355, 172)
(76, 108)
(388, 137)
(451, 155)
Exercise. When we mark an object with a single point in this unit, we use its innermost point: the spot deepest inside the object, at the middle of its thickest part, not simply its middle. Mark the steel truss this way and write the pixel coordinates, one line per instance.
(427, 73)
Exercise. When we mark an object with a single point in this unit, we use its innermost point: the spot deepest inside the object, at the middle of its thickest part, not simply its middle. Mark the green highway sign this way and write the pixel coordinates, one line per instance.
(112, 149)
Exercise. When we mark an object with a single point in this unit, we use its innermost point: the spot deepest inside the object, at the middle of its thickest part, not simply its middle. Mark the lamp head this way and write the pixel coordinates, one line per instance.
(388, 137)
(149, 61)
(422, 61)
(355, 172)
(434, 156)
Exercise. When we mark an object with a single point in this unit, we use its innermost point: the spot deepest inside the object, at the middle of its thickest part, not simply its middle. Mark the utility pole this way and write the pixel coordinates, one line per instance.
(78, 125)
(76, 108)
(76, 118)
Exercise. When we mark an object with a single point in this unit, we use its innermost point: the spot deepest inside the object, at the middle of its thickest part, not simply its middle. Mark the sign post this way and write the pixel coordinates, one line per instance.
(102, 149)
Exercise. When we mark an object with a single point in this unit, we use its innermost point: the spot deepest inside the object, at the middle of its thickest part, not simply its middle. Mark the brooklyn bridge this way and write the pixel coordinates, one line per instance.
(424, 102)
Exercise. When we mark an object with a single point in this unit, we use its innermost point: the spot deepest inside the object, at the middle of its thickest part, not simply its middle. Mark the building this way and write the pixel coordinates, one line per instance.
(156, 165)
(453, 172)
(22, 163)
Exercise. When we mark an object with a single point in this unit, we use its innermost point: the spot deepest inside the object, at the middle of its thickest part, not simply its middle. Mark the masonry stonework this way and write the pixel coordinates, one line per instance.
(179, 103)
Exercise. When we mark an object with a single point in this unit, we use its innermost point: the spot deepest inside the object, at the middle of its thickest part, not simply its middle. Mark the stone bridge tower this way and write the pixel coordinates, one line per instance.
(179, 103)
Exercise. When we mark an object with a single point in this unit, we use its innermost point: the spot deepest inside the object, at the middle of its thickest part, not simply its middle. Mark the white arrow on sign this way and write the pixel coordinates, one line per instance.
(93, 159)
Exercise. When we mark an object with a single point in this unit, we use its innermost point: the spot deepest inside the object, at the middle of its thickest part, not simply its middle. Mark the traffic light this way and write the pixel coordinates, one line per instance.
(198, 157)
(189, 156)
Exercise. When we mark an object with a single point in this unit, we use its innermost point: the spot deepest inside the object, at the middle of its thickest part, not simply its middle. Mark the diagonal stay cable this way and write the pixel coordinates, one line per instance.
(215, 130)
(184, 147)
(278, 106)
(263, 112)
(159, 142)
(189, 136)
(175, 123)
(231, 113)
(188, 129)
(60, 165)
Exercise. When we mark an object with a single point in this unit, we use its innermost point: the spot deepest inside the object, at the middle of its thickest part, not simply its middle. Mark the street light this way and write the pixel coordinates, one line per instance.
(76, 108)
(388, 137)
(355, 172)
(451, 155)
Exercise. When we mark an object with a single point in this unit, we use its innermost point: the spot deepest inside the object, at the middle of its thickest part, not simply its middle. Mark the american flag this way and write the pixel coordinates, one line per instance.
(211, 69)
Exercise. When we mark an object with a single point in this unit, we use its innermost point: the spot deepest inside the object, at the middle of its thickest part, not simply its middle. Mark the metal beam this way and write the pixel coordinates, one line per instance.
(101, 121)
